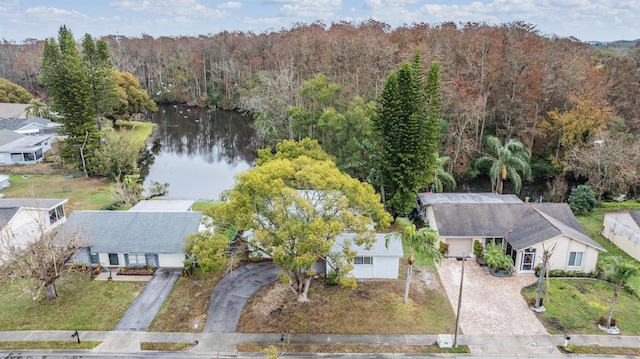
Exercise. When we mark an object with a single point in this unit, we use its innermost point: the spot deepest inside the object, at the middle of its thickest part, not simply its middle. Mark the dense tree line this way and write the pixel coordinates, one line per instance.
(508, 81)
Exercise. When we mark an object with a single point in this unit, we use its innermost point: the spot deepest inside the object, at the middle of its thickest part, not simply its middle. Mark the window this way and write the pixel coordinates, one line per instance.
(137, 259)
(94, 258)
(113, 259)
(363, 260)
(490, 240)
(575, 259)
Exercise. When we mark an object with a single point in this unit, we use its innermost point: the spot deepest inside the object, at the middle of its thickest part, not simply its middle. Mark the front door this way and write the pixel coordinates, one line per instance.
(528, 260)
(113, 259)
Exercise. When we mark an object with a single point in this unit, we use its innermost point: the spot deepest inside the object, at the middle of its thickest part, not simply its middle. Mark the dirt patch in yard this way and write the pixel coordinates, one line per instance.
(339, 310)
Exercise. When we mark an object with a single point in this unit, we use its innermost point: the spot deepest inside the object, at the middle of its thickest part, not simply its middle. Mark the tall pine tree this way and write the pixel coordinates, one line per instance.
(406, 127)
(64, 73)
(104, 90)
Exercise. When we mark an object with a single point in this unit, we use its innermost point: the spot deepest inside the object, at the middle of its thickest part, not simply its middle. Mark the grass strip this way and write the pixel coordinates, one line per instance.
(167, 347)
(61, 344)
(324, 348)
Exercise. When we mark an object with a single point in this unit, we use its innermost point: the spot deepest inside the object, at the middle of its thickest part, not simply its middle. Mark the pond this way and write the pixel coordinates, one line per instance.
(198, 151)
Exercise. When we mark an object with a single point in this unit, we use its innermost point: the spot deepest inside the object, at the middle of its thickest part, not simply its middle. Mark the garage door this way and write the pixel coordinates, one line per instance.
(459, 245)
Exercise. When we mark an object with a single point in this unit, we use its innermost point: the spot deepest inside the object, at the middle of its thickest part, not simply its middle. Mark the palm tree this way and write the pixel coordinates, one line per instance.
(442, 177)
(419, 240)
(509, 161)
(618, 271)
(37, 108)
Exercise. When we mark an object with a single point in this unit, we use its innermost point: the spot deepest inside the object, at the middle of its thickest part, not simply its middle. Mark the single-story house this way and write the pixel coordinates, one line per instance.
(16, 148)
(623, 230)
(13, 110)
(30, 126)
(24, 220)
(163, 205)
(377, 262)
(124, 238)
(523, 229)
(4, 181)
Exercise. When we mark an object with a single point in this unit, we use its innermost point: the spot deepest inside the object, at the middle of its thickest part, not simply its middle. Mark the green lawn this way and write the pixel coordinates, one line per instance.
(82, 304)
(83, 193)
(141, 131)
(70, 344)
(575, 305)
(592, 224)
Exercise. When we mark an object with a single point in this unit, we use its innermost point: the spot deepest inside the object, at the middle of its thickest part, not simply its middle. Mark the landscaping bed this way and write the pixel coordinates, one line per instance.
(146, 270)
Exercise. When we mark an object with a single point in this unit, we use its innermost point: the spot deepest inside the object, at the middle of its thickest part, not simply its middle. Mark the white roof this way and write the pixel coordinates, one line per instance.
(378, 249)
(163, 206)
(3, 177)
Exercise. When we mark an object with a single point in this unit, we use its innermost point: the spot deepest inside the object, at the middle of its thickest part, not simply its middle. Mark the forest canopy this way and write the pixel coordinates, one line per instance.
(509, 81)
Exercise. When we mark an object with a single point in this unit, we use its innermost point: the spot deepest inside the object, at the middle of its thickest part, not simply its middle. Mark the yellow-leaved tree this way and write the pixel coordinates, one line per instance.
(294, 203)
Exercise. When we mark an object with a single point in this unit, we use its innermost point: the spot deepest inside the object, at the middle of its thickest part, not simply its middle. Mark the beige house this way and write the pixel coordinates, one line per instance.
(523, 229)
(623, 230)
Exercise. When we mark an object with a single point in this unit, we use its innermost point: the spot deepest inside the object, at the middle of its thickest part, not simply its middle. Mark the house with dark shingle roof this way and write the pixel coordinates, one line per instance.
(125, 238)
(622, 228)
(523, 229)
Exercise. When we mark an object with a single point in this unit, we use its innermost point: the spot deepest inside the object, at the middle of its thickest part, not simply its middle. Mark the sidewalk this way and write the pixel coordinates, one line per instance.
(224, 343)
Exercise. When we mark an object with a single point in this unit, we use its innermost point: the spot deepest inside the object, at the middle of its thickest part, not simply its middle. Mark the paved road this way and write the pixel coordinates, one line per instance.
(145, 307)
(232, 292)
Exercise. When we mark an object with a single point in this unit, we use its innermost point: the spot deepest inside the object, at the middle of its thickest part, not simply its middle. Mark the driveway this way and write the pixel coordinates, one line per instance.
(232, 292)
(490, 305)
(145, 307)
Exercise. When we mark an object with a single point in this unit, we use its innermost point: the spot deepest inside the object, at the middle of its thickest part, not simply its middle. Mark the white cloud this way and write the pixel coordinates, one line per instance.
(230, 5)
(317, 9)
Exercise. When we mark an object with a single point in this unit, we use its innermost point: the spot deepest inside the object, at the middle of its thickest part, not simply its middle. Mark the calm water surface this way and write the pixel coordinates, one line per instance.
(199, 151)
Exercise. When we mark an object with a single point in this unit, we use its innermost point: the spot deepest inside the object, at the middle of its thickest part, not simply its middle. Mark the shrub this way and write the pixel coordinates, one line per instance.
(444, 248)
(477, 248)
(582, 199)
(568, 273)
(495, 258)
(603, 321)
(532, 301)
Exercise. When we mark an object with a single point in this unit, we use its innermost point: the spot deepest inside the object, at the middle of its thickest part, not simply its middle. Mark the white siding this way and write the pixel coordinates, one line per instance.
(623, 231)
(560, 257)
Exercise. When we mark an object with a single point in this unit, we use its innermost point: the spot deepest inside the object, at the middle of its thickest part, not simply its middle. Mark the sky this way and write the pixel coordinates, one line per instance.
(587, 20)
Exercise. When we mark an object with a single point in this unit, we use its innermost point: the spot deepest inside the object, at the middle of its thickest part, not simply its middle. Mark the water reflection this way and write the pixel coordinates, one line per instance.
(199, 151)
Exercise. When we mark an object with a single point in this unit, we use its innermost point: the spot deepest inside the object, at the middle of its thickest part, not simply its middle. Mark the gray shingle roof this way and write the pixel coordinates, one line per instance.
(12, 110)
(433, 198)
(8, 136)
(6, 214)
(522, 224)
(635, 215)
(41, 203)
(133, 232)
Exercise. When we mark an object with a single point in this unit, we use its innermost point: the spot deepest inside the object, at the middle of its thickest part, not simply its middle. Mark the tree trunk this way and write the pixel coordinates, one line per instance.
(543, 270)
(616, 291)
(302, 296)
(51, 291)
(406, 284)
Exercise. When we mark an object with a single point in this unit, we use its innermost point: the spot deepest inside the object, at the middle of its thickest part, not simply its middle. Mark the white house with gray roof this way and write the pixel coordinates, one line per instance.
(523, 229)
(622, 228)
(25, 220)
(16, 148)
(125, 238)
(376, 262)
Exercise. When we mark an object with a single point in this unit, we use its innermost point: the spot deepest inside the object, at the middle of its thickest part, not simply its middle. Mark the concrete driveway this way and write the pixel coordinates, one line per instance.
(232, 292)
(145, 307)
(490, 305)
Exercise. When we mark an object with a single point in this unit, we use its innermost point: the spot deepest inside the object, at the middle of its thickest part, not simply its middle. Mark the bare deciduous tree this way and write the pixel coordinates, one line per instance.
(39, 261)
